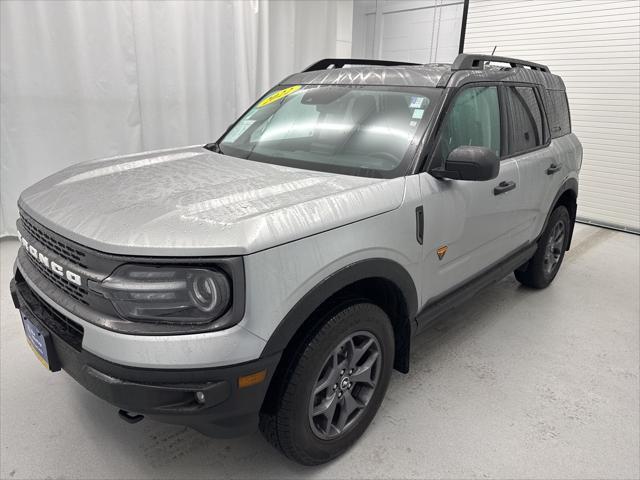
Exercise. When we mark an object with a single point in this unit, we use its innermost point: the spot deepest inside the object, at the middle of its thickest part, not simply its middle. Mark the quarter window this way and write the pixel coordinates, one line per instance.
(558, 113)
(525, 126)
(473, 119)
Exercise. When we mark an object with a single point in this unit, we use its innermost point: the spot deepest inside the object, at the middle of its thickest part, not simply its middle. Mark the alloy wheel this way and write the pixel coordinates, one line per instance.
(345, 385)
(554, 248)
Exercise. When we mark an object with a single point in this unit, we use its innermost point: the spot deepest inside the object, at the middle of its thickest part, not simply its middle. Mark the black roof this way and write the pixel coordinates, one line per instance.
(466, 68)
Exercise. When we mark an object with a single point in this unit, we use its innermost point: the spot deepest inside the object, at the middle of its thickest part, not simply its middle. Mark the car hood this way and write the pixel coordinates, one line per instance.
(191, 201)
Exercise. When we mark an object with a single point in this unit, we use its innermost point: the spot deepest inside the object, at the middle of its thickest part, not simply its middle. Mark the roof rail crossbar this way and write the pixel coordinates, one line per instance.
(341, 62)
(470, 61)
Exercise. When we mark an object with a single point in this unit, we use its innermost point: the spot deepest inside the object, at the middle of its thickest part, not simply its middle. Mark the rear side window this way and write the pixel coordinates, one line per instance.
(557, 112)
(525, 125)
(472, 119)
(531, 99)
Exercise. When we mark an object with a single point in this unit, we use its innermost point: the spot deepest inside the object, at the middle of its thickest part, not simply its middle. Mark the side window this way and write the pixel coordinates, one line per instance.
(525, 126)
(557, 113)
(472, 119)
(531, 100)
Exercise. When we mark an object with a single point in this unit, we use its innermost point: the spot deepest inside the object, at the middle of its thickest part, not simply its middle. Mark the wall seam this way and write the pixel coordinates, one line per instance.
(135, 54)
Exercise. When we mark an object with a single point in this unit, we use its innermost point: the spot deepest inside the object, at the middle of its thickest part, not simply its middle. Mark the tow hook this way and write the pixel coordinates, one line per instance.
(130, 417)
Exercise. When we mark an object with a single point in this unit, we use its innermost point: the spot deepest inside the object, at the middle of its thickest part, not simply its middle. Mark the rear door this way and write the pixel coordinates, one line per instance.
(469, 225)
(528, 142)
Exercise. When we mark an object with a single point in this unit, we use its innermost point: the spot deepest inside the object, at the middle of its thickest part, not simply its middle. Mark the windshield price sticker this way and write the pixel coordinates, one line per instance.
(279, 94)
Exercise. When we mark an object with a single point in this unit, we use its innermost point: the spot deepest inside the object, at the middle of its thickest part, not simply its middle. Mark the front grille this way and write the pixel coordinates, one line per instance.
(55, 244)
(61, 247)
(71, 289)
(66, 329)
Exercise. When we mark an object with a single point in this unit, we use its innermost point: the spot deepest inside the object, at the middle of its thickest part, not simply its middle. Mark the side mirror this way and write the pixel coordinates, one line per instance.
(470, 163)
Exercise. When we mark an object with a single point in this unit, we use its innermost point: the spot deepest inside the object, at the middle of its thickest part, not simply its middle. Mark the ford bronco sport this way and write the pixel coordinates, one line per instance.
(275, 278)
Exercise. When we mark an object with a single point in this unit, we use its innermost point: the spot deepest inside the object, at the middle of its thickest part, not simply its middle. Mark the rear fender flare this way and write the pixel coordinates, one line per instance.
(570, 184)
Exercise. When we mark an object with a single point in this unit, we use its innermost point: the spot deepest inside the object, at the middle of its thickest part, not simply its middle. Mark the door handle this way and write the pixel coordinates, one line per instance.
(553, 168)
(504, 187)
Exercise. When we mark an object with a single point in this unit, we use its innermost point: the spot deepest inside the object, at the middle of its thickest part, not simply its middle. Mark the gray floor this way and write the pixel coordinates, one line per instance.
(514, 384)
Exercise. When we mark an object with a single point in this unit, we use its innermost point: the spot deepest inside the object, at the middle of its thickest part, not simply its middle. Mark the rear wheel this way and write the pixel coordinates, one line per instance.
(540, 271)
(333, 387)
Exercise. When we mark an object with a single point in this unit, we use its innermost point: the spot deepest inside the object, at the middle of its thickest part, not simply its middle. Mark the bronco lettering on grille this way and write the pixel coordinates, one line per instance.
(56, 268)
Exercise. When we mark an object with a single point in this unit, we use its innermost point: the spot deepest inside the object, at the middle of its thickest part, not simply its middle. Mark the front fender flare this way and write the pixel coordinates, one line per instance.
(365, 269)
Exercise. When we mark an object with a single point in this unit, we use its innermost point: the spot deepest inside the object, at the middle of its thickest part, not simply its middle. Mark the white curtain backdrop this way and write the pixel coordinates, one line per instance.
(88, 79)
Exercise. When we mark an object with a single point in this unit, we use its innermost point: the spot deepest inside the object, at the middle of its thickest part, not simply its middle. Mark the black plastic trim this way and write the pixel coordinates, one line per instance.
(365, 269)
(130, 417)
(459, 294)
(167, 395)
(341, 62)
(420, 224)
(572, 185)
(504, 187)
(553, 169)
(468, 61)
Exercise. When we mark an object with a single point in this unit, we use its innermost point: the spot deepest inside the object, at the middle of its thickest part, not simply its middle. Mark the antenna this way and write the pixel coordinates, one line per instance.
(494, 50)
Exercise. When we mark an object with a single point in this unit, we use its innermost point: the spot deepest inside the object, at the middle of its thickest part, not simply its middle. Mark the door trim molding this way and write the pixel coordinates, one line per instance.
(444, 302)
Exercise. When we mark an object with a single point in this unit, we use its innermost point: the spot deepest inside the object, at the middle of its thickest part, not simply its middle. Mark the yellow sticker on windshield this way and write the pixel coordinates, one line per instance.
(279, 94)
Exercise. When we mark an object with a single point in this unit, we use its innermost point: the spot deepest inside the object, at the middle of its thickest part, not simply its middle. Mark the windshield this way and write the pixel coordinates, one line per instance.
(356, 130)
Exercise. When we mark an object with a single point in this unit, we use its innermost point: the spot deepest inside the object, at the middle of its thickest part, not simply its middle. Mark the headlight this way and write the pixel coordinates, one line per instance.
(168, 294)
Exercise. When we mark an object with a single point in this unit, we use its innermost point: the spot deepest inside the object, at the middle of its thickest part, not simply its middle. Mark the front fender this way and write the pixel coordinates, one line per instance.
(365, 269)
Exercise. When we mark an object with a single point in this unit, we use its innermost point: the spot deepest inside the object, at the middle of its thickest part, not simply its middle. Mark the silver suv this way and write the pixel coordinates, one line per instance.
(275, 278)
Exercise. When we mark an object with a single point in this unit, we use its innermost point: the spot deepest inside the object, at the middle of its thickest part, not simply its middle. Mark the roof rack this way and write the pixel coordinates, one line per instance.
(470, 61)
(341, 62)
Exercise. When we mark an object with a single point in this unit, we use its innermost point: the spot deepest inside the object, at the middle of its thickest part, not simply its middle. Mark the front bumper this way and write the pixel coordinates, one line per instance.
(167, 395)
(230, 346)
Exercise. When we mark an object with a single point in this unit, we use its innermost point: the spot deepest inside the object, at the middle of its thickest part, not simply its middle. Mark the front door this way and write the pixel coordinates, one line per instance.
(469, 225)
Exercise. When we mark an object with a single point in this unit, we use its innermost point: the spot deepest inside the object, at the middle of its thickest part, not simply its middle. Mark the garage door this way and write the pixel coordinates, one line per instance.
(594, 46)
(421, 31)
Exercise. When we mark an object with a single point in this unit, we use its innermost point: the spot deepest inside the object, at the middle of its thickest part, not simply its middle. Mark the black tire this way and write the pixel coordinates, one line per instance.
(542, 268)
(290, 426)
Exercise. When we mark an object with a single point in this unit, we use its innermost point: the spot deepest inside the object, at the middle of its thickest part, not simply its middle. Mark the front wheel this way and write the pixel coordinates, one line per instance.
(335, 384)
(540, 271)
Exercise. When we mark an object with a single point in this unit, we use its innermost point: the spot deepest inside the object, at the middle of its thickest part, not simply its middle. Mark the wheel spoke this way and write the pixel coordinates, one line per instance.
(327, 408)
(555, 247)
(359, 352)
(322, 386)
(347, 406)
(363, 374)
(339, 363)
(559, 243)
(330, 376)
(559, 232)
